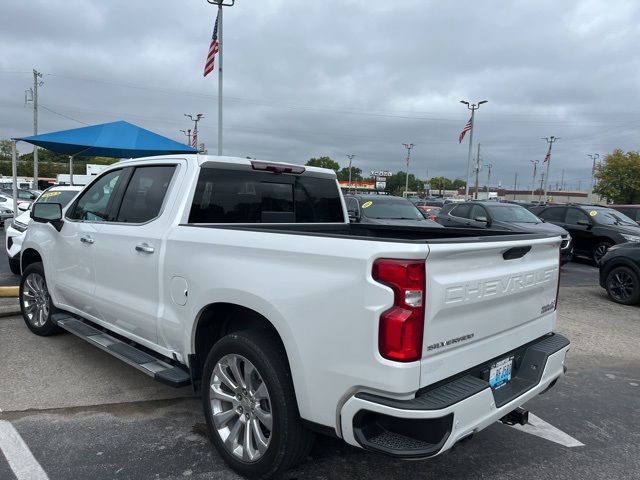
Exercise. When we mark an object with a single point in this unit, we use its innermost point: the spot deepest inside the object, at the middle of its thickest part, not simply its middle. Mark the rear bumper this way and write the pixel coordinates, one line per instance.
(436, 419)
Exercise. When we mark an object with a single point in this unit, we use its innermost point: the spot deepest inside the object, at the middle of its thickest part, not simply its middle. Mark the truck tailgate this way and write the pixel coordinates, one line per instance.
(484, 299)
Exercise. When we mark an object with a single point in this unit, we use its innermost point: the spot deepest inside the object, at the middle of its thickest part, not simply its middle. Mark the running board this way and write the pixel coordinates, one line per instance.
(152, 366)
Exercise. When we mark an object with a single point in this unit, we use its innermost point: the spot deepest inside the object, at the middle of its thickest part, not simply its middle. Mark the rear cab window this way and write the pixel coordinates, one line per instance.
(247, 196)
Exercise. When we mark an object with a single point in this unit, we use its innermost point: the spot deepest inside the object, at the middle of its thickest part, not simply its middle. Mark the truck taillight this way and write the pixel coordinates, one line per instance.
(402, 326)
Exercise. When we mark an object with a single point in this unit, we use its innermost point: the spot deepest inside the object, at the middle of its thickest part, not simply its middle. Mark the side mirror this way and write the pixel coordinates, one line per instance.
(354, 215)
(48, 213)
(585, 223)
(24, 207)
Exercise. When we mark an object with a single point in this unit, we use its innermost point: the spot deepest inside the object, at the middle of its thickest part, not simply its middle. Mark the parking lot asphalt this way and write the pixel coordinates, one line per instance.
(83, 414)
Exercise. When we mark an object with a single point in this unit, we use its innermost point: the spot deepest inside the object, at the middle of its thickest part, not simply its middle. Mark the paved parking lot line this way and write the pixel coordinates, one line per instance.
(18, 455)
(542, 429)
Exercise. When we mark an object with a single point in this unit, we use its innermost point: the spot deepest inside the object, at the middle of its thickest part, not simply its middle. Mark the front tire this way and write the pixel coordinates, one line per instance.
(35, 301)
(14, 265)
(250, 405)
(623, 286)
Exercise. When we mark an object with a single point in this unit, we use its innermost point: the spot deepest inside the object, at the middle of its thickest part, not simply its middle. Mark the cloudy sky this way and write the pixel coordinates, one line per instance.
(311, 78)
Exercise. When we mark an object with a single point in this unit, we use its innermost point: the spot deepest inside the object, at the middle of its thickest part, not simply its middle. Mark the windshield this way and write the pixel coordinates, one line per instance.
(397, 209)
(608, 216)
(52, 196)
(512, 213)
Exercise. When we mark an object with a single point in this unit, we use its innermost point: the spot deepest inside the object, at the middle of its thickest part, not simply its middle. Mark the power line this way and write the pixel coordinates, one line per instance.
(63, 115)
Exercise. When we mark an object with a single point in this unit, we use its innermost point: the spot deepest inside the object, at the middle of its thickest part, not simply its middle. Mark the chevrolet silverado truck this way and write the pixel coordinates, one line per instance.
(245, 280)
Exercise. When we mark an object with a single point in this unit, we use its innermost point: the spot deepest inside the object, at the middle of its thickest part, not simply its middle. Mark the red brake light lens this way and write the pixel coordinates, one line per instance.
(402, 326)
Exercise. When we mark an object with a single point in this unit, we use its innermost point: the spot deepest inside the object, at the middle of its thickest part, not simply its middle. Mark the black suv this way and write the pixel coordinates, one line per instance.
(593, 228)
(502, 216)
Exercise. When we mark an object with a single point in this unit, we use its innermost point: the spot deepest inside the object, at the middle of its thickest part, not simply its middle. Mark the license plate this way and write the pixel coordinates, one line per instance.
(500, 372)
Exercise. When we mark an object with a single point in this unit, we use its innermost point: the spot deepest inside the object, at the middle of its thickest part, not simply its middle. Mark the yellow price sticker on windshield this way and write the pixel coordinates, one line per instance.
(50, 194)
(593, 213)
(367, 204)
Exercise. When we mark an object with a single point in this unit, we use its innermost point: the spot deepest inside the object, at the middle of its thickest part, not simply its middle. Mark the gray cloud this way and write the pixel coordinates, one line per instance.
(305, 79)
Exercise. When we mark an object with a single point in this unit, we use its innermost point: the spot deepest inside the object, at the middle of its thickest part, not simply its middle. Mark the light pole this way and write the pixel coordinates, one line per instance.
(594, 157)
(489, 167)
(535, 171)
(194, 137)
(408, 146)
(187, 132)
(473, 107)
(350, 157)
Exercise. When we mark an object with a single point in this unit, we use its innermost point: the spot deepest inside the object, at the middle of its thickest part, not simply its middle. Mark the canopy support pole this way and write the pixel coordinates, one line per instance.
(14, 172)
(71, 169)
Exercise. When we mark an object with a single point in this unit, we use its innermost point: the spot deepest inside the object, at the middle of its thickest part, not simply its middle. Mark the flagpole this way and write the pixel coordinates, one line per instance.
(220, 47)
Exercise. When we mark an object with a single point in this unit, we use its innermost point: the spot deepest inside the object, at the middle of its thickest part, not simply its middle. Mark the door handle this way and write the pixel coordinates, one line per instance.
(145, 248)
(86, 239)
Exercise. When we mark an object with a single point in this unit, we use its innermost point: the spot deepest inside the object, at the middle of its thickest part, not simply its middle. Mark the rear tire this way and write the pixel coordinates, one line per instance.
(623, 286)
(247, 383)
(14, 265)
(35, 302)
(599, 251)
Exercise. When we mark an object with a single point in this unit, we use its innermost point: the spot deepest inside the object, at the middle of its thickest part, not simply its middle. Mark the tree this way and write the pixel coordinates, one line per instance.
(324, 162)
(619, 177)
(396, 183)
(5, 149)
(458, 183)
(356, 174)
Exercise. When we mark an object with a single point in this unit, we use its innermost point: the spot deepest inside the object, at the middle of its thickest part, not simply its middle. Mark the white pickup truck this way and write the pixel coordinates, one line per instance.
(246, 280)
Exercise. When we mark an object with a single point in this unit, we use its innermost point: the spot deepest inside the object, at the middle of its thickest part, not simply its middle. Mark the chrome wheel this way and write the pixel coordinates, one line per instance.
(35, 299)
(241, 408)
(621, 285)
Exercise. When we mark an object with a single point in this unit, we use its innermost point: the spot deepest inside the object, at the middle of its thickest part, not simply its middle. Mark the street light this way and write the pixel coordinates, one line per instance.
(194, 138)
(473, 107)
(408, 146)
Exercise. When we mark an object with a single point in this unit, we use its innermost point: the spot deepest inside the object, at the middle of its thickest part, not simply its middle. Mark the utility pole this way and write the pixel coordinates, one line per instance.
(535, 171)
(594, 157)
(194, 137)
(350, 157)
(473, 107)
(541, 190)
(187, 132)
(408, 146)
(515, 185)
(547, 158)
(33, 93)
(477, 169)
(579, 184)
(489, 167)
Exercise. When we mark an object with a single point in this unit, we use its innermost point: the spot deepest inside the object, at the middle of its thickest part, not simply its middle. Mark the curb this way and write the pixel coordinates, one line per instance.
(9, 292)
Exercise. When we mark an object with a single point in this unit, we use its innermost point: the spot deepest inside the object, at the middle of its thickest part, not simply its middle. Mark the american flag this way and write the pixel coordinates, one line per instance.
(213, 50)
(547, 156)
(194, 139)
(466, 128)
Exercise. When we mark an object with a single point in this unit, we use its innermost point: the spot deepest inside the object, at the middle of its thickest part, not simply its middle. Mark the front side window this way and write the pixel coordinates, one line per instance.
(93, 205)
(63, 197)
(234, 196)
(477, 212)
(145, 194)
(574, 216)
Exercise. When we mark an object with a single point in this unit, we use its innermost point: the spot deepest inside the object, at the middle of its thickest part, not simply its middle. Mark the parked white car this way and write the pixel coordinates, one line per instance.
(246, 280)
(6, 208)
(16, 230)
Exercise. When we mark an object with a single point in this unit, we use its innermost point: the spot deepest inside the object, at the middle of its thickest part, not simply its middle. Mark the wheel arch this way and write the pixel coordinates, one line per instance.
(216, 320)
(29, 256)
(619, 262)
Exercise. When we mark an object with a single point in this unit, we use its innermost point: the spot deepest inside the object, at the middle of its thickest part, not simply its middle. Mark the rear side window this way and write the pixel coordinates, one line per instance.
(233, 196)
(461, 211)
(553, 214)
(145, 194)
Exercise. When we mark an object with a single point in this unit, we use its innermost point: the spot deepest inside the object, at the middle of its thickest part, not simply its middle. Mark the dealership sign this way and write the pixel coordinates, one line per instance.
(381, 173)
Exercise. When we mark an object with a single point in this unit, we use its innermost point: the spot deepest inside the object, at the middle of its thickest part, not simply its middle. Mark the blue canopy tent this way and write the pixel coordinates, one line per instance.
(116, 140)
